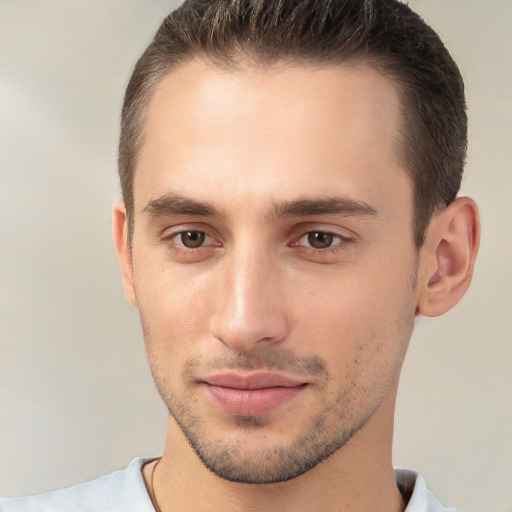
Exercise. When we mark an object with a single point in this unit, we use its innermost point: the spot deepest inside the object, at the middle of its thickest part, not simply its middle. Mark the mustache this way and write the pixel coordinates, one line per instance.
(281, 360)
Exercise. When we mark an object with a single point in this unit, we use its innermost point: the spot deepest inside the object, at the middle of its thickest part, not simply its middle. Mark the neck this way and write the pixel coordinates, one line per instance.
(359, 476)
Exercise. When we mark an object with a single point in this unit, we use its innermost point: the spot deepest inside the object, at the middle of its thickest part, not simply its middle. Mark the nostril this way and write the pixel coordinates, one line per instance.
(246, 339)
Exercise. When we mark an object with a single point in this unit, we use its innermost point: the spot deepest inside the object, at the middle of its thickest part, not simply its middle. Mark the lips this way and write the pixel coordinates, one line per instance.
(252, 394)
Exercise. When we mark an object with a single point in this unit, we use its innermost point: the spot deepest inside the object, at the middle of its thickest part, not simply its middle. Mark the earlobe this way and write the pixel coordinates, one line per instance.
(124, 253)
(448, 257)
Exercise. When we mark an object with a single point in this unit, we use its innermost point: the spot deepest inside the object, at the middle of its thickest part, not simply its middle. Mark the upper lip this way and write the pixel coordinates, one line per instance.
(252, 380)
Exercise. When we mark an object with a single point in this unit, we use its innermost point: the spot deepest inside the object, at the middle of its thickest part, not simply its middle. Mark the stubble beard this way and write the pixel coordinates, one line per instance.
(236, 459)
(328, 431)
(236, 462)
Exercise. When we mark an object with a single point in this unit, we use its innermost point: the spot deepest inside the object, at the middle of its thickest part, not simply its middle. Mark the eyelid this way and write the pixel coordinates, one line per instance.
(170, 237)
(182, 227)
(175, 236)
(323, 227)
(344, 239)
(341, 238)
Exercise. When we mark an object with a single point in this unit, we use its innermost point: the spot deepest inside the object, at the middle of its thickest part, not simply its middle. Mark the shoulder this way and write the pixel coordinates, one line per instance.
(420, 498)
(121, 491)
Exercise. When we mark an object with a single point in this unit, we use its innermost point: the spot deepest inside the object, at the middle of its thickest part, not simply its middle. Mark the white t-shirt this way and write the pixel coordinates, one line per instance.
(124, 491)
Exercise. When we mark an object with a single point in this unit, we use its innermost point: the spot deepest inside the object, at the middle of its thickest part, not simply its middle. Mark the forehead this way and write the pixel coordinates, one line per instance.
(272, 132)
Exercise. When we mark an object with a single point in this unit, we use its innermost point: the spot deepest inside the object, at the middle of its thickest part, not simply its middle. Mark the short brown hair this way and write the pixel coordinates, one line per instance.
(385, 34)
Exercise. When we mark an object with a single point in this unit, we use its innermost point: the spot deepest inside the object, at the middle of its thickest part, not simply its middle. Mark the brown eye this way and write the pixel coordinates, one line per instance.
(320, 239)
(192, 239)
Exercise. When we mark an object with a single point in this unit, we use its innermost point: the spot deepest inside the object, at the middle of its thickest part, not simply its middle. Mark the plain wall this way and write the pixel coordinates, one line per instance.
(76, 397)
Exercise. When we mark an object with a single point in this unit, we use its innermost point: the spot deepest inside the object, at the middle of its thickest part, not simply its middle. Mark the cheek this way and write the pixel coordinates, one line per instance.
(362, 322)
(173, 320)
(174, 306)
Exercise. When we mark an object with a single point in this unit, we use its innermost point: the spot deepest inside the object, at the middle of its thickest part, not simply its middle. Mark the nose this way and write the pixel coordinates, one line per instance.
(251, 306)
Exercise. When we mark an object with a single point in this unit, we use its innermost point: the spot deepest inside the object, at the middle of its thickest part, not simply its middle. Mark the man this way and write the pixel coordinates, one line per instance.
(289, 174)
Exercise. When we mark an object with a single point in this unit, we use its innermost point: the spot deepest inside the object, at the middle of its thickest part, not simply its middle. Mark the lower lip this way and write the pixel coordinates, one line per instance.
(252, 402)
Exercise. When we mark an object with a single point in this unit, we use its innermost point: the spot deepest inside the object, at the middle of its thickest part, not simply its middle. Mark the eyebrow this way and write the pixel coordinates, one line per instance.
(176, 204)
(325, 206)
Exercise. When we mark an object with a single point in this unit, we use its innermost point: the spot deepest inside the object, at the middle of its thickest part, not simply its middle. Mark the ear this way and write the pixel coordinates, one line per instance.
(448, 257)
(124, 253)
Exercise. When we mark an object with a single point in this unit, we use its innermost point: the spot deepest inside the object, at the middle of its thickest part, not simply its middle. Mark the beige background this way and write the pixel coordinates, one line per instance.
(76, 398)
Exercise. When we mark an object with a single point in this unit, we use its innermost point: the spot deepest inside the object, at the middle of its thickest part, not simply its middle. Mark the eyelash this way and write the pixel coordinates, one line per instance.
(339, 245)
(180, 247)
(340, 242)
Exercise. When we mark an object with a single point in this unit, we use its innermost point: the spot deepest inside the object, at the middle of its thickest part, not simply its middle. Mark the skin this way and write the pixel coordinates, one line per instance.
(258, 164)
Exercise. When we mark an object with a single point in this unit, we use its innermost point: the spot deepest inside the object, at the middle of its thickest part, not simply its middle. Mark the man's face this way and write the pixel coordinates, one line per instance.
(273, 257)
